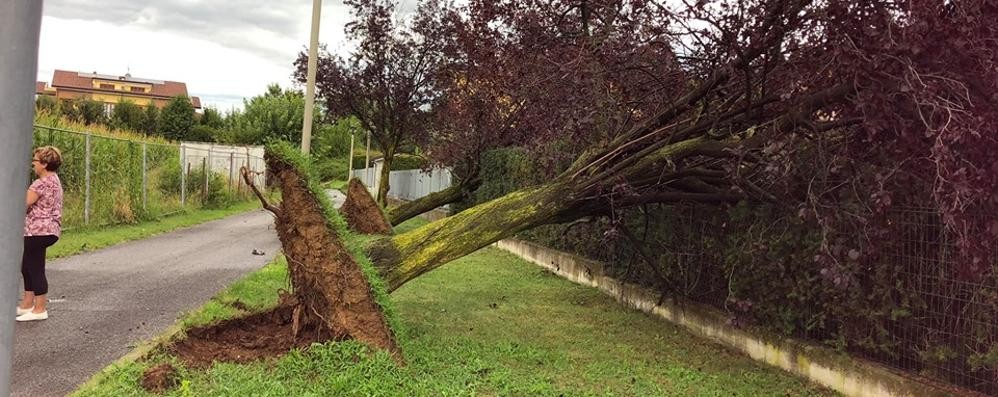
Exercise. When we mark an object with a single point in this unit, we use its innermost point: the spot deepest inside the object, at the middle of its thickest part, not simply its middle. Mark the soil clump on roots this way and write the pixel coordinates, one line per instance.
(361, 211)
(332, 299)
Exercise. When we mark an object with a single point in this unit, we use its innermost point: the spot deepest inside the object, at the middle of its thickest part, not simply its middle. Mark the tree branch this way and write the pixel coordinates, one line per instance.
(263, 200)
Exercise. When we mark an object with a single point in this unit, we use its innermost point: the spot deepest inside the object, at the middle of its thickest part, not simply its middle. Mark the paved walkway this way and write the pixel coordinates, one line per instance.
(104, 302)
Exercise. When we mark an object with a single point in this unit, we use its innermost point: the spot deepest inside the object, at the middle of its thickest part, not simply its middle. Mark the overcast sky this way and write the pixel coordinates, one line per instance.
(225, 50)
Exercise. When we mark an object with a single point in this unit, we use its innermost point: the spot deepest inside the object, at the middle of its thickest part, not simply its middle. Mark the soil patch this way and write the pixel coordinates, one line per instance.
(255, 337)
(160, 378)
(361, 211)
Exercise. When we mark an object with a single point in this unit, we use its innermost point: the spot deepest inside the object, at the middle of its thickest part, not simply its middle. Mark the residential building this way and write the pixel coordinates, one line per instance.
(110, 90)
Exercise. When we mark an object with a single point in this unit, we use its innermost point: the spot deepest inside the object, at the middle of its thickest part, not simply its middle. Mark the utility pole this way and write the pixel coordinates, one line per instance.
(313, 61)
(20, 24)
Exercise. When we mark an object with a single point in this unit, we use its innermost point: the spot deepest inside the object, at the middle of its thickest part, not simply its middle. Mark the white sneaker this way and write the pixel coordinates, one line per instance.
(32, 316)
(21, 311)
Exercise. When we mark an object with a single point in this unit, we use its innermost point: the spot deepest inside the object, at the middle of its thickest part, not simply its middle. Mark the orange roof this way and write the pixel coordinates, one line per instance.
(39, 87)
(84, 81)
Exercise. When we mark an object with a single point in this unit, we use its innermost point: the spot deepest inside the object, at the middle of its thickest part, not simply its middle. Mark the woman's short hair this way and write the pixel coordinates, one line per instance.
(50, 156)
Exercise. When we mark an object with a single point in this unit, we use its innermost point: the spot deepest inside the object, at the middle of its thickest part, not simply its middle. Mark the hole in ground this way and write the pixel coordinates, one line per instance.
(254, 337)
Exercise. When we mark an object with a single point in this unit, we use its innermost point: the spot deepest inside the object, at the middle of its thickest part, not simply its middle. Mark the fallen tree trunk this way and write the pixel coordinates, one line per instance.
(411, 209)
(329, 286)
(406, 256)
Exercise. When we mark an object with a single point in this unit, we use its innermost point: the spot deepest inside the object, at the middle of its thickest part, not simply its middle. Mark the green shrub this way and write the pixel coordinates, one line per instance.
(216, 196)
(47, 103)
(330, 169)
(405, 161)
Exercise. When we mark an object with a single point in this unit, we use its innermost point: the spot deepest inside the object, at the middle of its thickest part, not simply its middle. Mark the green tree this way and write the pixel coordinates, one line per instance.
(177, 118)
(333, 140)
(47, 103)
(212, 118)
(202, 133)
(90, 111)
(150, 120)
(277, 114)
(127, 115)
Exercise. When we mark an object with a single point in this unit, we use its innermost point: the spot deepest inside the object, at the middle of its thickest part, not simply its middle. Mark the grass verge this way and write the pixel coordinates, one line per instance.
(87, 239)
(488, 324)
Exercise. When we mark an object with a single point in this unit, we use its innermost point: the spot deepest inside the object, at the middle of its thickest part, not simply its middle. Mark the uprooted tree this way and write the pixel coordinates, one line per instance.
(865, 88)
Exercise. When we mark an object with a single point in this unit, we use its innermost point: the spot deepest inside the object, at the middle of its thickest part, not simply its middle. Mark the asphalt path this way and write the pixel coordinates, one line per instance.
(104, 302)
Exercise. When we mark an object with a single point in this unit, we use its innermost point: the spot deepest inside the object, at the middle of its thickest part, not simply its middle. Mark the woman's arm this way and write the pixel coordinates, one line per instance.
(31, 198)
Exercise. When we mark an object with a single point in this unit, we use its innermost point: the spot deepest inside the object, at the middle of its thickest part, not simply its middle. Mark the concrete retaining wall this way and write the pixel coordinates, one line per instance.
(849, 376)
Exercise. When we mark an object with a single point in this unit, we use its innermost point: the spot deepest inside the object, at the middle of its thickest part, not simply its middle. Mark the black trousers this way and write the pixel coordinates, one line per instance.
(33, 263)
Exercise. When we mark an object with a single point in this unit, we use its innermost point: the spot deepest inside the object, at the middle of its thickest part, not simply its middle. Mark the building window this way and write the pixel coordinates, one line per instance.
(138, 89)
(106, 86)
(108, 109)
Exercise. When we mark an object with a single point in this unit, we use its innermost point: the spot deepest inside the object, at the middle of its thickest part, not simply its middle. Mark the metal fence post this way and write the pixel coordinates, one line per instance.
(183, 175)
(204, 170)
(207, 164)
(86, 180)
(232, 170)
(20, 24)
(145, 179)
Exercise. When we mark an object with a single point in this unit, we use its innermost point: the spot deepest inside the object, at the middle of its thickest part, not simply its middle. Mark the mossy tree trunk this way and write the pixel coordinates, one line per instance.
(406, 256)
(411, 209)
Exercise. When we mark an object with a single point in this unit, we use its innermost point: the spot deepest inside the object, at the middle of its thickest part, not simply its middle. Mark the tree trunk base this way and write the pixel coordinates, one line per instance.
(331, 298)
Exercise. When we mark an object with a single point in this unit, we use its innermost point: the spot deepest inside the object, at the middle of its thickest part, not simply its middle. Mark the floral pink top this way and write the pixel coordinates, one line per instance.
(45, 215)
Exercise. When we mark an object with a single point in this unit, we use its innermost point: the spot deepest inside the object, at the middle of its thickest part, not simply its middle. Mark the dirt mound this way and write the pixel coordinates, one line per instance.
(255, 337)
(160, 378)
(361, 211)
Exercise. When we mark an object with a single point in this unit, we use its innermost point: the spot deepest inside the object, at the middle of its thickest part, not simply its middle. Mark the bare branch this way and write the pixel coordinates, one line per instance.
(263, 200)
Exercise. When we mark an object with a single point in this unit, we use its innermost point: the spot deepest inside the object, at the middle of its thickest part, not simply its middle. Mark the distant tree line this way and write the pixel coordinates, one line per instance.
(276, 114)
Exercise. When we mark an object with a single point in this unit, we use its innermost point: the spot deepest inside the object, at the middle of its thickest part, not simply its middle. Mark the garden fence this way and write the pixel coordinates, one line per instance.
(909, 307)
(111, 180)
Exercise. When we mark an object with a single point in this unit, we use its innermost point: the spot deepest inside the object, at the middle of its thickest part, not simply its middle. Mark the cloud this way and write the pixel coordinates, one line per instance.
(268, 28)
(223, 50)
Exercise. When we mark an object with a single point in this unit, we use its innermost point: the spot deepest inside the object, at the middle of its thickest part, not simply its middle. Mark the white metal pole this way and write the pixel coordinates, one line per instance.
(313, 55)
(350, 160)
(20, 23)
(367, 162)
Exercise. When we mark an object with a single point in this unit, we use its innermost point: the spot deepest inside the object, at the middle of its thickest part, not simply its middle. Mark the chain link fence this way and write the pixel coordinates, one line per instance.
(905, 303)
(108, 180)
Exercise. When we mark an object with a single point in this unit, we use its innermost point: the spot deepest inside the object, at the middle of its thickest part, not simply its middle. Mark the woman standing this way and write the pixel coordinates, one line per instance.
(42, 226)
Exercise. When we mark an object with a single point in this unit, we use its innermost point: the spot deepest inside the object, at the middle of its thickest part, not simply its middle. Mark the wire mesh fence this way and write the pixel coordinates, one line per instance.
(903, 302)
(108, 180)
(908, 306)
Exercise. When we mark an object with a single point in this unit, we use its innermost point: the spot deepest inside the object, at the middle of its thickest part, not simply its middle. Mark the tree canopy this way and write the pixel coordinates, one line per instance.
(385, 82)
(277, 114)
(635, 102)
(176, 120)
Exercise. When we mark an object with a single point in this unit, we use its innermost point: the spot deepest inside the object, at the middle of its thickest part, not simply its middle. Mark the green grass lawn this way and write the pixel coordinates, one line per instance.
(87, 239)
(488, 324)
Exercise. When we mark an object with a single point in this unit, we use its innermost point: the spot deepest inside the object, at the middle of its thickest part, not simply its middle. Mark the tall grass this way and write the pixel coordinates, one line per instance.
(116, 190)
